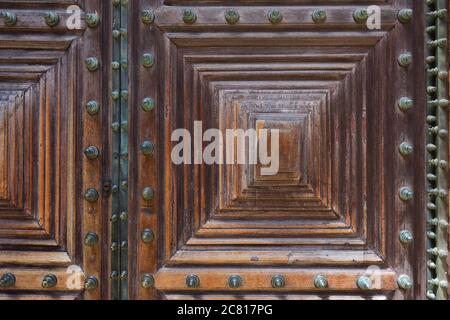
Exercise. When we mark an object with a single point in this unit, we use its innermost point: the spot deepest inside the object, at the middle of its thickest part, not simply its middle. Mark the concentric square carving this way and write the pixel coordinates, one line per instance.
(317, 98)
(38, 141)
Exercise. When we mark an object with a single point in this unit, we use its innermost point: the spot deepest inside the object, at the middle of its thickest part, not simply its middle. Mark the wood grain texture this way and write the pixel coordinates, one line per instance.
(44, 86)
(333, 89)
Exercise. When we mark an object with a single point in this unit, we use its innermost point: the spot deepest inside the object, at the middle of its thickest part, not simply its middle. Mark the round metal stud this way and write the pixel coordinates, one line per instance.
(147, 16)
(124, 216)
(278, 282)
(148, 104)
(405, 15)
(147, 148)
(319, 16)
(406, 149)
(147, 236)
(91, 283)
(51, 19)
(364, 283)
(92, 64)
(405, 59)
(405, 237)
(321, 282)
(192, 281)
(9, 18)
(92, 20)
(116, 34)
(147, 281)
(148, 194)
(275, 16)
(7, 280)
(91, 239)
(405, 282)
(235, 282)
(49, 281)
(360, 15)
(189, 16)
(406, 194)
(92, 108)
(91, 195)
(148, 60)
(115, 65)
(232, 16)
(92, 153)
(405, 104)
(115, 95)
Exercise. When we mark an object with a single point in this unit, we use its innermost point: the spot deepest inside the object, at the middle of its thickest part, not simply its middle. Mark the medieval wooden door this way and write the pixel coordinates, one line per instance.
(94, 206)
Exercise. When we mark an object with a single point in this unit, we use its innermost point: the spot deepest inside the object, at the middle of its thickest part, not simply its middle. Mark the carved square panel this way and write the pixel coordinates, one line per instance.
(333, 206)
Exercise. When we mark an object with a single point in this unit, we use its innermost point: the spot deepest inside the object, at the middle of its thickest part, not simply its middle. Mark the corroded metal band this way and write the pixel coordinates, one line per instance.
(437, 150)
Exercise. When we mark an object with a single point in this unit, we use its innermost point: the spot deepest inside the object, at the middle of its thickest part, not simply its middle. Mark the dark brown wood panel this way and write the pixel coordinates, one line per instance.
(44, 87)
(333, 88)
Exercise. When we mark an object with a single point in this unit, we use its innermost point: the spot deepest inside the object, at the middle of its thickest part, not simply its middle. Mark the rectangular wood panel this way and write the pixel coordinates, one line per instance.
(333, 90)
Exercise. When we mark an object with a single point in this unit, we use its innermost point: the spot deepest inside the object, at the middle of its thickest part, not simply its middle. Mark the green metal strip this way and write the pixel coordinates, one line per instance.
(123, 200)
(438, 150)
(115, 224)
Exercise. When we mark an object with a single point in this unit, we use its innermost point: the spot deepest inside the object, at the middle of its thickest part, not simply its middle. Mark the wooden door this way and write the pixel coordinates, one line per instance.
(92, 205)
(340, 96)
(54, 149)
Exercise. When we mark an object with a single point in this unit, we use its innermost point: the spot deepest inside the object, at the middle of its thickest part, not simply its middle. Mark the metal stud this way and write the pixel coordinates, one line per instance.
(319, 16)
(148, 194)
(147, 16)
(192, 281)
(405, 15)
(91, 195)
(364, 283)
(51, 19)
(148, 60)
(232, 16)
(405, 104)
(49, 281)
(116, 34)
(147, 236)
(92, 64)
(91, 239)
(91, 283)
(404, 282)
(431, 265)
(431, 295)
(92, 153)
(92, 20)
(124, 216)
(148, 104)
(405, 59)
(278, 282)
(147, 148)
(406, 149)
(406, 194)
(92, 108)
(360, 15)
(147, 281)
(7, 280)
(9, 18)
(405, 237)
(275, 16)
(189, 16)
(321, 282)
(437, 252)
(235, 282)
(115, 95)
(115, 65)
